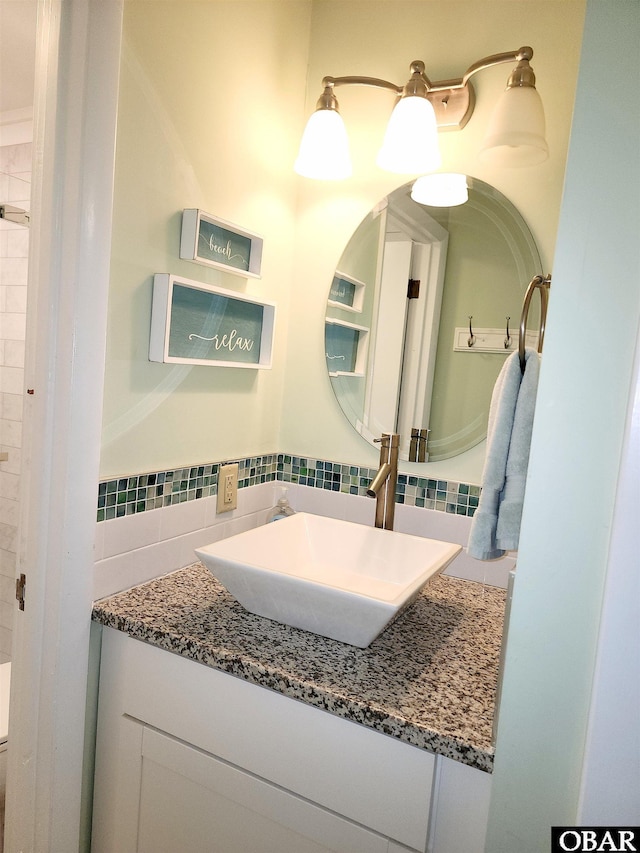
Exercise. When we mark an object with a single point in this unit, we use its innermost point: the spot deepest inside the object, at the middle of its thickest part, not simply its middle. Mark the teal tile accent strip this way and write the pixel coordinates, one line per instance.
(143, 492)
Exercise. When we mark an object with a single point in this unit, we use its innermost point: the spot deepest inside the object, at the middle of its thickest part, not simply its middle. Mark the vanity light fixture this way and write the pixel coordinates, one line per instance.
(442, 189)
(411, 138)
(516, 132)
(515, 137)
(324, 148)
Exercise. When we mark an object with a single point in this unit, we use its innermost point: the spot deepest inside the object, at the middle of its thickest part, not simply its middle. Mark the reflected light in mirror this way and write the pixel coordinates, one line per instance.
(411, 138)
(324, 148)
(443, 189)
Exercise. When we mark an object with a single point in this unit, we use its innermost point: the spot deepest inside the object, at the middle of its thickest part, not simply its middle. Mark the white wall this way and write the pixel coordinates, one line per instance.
(581, 411)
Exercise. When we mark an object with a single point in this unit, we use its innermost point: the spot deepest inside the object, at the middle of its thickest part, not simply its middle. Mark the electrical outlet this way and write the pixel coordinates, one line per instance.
(227, 487)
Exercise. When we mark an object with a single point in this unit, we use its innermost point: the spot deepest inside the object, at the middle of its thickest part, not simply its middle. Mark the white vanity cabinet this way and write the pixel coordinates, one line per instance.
(192, 759)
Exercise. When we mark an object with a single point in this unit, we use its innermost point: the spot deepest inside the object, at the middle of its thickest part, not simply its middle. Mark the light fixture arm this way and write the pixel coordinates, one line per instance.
(331, 82)
(522, 54)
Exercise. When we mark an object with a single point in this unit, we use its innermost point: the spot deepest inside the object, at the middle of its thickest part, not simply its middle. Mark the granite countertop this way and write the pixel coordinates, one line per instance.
(429, 679)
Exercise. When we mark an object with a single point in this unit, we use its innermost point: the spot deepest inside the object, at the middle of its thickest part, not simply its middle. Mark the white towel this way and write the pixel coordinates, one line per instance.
(495, 527)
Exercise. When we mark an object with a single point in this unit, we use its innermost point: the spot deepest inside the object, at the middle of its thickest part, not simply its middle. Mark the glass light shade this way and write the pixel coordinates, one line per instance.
(324, 148)
(440, 190)
(411, 140)
(516, 132)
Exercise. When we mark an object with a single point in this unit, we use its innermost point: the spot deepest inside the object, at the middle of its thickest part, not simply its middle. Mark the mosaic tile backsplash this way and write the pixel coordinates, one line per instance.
(143, 492)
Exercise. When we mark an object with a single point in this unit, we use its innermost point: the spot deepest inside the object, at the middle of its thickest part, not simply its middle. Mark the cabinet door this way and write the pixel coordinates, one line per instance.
(192, 802)
(368, 779)
(460, 809)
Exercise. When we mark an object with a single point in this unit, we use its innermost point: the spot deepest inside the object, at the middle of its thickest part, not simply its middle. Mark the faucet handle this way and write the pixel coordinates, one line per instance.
(388, 439)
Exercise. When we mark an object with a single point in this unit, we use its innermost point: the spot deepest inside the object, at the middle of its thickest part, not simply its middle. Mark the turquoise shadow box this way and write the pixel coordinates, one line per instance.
(214, 242)
(196, 323)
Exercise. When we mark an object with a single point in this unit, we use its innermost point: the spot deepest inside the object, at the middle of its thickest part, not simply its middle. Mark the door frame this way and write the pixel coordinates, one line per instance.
(76, 92)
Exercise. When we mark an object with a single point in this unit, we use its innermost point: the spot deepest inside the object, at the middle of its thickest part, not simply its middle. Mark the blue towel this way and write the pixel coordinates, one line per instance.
(495, 527)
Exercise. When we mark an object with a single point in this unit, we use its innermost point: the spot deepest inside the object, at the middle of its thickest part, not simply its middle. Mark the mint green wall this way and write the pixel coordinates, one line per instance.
(582, 403)
(211, 97)
(214, 96)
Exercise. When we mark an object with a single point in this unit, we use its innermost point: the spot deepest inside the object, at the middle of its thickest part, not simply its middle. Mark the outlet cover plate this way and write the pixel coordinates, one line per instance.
(227, 488)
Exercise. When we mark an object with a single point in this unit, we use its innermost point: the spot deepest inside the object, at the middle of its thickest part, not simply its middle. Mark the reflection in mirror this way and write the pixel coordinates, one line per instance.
(422, 311)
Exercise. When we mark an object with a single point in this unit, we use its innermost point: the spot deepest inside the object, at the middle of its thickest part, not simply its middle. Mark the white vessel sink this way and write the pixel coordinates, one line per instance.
(334, 578)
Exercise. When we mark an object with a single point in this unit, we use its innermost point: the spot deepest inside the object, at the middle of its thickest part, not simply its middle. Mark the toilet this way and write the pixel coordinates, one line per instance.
(5, 684)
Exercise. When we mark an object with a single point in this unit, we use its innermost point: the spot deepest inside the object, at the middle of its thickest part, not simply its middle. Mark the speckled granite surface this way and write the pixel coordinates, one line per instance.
(429, 679)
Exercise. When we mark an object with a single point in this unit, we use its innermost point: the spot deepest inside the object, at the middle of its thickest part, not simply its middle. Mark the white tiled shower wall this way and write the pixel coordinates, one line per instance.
(15, 184)
(136, 548)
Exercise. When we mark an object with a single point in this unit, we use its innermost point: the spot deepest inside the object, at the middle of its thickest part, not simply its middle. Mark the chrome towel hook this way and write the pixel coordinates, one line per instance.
(507, 340)
(472, 338)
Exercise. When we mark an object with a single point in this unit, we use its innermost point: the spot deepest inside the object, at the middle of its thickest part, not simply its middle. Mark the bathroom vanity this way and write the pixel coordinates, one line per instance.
(223, 731)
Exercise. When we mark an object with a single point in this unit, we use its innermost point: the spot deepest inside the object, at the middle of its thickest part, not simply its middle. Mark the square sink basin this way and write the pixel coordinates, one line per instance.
(341, 580)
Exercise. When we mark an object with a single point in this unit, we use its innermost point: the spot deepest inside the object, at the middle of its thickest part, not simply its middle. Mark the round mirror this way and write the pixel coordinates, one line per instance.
(423, 310)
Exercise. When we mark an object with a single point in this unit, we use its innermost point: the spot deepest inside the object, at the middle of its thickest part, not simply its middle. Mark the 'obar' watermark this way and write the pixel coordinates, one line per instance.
(595, 839)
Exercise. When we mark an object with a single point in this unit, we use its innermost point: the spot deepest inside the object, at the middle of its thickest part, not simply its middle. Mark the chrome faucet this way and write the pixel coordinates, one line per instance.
(383, 485)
